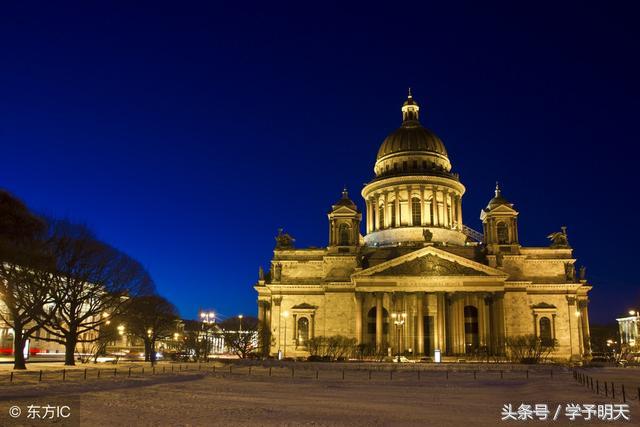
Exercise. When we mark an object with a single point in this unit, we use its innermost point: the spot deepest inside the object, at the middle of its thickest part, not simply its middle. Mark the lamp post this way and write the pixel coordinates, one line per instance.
(240, 316)
(398, 320)
(286, 315)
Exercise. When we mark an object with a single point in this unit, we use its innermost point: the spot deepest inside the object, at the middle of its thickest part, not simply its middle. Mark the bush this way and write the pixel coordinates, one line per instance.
(331, 348)
(528, 348)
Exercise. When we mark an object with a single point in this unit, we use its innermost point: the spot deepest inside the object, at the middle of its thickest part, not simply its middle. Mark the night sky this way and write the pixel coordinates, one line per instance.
(187, 133)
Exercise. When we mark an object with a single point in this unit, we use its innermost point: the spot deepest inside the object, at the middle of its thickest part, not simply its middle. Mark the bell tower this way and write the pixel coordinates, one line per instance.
(500, 225)
(344, 225)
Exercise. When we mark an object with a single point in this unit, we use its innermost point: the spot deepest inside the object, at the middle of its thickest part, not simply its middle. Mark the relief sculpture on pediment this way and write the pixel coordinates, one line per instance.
(430, 265)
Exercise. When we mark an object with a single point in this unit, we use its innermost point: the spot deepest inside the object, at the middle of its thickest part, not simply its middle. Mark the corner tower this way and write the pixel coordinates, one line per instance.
(344, 225)
(500, 225)
(414, 196)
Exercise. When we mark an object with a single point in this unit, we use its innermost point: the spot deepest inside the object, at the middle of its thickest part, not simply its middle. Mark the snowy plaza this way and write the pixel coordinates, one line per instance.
(316, 394)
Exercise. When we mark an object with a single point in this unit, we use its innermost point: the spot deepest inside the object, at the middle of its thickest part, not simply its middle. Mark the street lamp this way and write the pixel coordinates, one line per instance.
(286, 315)
(398, 320)
(208, 318)
(240, 316)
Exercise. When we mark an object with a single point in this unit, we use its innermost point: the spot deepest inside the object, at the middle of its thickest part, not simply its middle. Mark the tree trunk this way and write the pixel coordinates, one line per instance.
(147, 353)
(18, 348)
(70, 350)
(152, 353)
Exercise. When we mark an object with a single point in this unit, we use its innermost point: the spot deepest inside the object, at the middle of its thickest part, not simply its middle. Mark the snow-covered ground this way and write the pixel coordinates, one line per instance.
(204, 398)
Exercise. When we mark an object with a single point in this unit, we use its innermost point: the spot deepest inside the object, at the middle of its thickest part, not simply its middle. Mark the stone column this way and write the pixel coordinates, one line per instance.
(420, 320)
(491, 327)
(499, 301)
(460, 324)
(385, 219)
(448, 327)
(295, 331)
(482, 319)
(441, 321)
(261, 318)
(445, 209)
(436, 214)
(584, 315)
(376, 214)
(409, 207)
(574, 332)
(459, 212)
(358, 314)
(452, 326)
(396, 205)
(368, 210)
(454, 220)
(423, 206)
(267, 314)
(580, 331)
(379, 321)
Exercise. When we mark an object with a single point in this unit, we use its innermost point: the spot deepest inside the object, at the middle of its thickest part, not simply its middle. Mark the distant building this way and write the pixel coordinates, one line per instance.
(420, 279)
(629, 331)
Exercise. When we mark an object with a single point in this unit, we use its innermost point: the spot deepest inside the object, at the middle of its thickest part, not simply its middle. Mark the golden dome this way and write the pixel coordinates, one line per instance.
(412, 148)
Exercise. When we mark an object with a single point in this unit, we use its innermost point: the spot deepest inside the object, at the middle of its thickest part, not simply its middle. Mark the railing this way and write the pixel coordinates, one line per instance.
(473, 234)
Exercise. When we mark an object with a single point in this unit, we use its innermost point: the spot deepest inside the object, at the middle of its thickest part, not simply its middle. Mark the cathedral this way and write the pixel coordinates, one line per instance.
(420, 282)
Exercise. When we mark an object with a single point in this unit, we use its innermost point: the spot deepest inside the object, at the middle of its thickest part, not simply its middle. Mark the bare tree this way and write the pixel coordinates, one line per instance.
(196, 343)
(107, 333)
(24, 263)
(240, 335)
(150, 318)
(92, 280)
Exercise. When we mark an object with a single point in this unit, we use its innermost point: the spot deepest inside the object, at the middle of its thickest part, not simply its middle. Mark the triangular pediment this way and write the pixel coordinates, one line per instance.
(343, 210)
(500, 210)
(431, 262)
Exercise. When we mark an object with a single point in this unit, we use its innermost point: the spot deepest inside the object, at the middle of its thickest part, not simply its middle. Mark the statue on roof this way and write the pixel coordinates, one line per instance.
(570, 272)
(583, 273)
(284, 240)
(559, 238)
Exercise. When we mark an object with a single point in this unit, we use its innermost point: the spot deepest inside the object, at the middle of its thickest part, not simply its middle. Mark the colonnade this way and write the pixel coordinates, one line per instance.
(439, 207)
(429, 321)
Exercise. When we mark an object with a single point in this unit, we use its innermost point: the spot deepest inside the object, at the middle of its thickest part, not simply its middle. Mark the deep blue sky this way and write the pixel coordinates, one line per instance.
(186, 133)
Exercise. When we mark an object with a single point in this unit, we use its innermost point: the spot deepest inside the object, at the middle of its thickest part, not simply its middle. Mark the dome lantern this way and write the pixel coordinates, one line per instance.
(410, 111)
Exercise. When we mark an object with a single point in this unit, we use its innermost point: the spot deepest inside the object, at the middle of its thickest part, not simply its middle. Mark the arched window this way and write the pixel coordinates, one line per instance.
(416, 212)
(381, 217)
(545, 331)
(371, 323)
(471, 338)
(303, 331)
(343, 233)
(393, 213)
(503, 233)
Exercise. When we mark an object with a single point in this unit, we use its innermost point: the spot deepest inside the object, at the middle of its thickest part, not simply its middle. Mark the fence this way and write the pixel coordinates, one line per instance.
(608, 388)
(297, 371)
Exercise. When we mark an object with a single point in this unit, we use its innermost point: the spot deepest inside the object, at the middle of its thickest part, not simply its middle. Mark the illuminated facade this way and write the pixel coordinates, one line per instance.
(455, 289)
